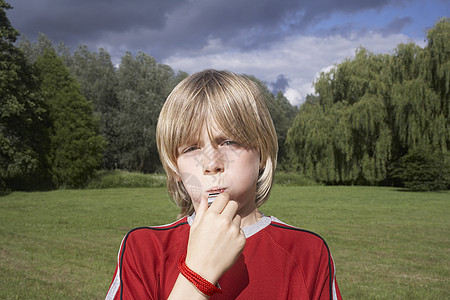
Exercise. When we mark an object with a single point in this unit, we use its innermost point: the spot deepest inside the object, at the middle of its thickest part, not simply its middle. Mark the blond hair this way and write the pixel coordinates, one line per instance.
(236, 105)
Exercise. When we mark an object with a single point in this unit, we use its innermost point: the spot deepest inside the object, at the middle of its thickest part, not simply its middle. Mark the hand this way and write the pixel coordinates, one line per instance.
(216, 239)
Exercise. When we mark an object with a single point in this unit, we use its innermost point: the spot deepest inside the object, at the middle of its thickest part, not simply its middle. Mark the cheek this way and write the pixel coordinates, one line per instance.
(249, 166)
(191, 181)
(192, 185)
(187, 165)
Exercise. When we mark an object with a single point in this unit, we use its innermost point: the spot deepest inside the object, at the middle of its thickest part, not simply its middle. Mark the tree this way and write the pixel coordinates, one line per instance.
(142, 89)
(309, 142)
(344, 136)
(437, 58)
(75, 147)
(23, 118)
(33, 50)
(371, 110)
(96, 75)
(422, 170)
(282, 113)
(417, 109)
(97, 78)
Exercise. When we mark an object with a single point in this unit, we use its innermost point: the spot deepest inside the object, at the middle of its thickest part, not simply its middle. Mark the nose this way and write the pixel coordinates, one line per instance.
(212, 161)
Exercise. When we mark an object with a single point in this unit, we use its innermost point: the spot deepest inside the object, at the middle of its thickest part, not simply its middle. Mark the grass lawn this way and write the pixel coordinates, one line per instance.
(387, 244)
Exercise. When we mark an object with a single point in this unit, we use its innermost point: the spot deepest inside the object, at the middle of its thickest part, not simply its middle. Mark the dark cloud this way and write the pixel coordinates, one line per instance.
(251, 24)
(280, 85)
(397, 25)
(352, 31)
(82, 21)
(347, 30)
(163, 28)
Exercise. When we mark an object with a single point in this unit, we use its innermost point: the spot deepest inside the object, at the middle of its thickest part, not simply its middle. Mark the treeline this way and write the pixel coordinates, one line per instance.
(380, 119)
(65, 115)
(376, 119)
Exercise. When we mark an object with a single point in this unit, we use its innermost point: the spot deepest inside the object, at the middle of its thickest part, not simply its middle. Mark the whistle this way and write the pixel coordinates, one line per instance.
(212, 197)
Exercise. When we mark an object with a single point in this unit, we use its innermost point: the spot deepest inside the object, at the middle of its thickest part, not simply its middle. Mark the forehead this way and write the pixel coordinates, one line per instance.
(215, 109)
(207, 129)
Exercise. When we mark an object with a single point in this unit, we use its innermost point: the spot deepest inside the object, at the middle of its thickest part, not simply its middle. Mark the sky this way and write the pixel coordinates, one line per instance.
(285, 43)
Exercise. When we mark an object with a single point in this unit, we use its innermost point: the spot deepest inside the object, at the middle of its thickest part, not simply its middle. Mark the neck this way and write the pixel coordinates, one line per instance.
(250, 218)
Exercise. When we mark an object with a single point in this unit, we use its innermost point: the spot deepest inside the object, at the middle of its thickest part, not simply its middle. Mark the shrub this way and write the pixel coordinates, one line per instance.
(292, 179)
(423, 170)
(123, 179)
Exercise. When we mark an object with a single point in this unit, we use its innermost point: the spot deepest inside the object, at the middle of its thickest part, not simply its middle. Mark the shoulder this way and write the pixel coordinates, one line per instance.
(161, 228)
(310, 253)
(289, 231)
(296, 240)
(161, 236)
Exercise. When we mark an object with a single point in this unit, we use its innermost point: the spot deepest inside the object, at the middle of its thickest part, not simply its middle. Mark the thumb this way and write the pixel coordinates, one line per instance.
(201, 209)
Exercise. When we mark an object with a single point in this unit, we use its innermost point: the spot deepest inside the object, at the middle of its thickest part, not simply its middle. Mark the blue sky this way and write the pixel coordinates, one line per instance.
(286, 43)
(417, 15)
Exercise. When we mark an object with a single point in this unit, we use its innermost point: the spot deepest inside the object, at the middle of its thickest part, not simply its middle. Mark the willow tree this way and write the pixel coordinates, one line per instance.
(417, 106)
(437, 58)
(420, 104)
(344, 136)
(309, 138)
(372, 109)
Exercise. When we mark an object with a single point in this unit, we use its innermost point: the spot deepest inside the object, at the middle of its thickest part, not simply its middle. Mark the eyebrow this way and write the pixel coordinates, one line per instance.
(195, 142)
(220, 138)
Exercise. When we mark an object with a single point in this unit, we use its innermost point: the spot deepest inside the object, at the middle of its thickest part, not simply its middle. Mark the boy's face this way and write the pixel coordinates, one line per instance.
(220, 165)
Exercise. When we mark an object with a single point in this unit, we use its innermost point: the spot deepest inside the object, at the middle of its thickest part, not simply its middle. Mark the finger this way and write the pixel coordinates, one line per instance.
(201, 209)
(237, 220)
(230, 210)
(220, 203)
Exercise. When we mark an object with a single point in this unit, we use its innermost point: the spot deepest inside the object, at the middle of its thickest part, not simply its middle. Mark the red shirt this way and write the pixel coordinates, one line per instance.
(278, 262)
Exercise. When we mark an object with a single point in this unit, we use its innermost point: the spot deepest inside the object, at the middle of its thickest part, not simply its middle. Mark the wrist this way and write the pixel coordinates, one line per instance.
(201, 267)
(202, 284)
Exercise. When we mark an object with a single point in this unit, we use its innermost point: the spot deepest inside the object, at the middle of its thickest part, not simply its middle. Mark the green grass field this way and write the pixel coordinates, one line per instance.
(387, 243)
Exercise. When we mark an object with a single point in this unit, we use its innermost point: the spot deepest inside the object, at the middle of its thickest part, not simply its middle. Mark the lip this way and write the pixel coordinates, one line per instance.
(213, 192)
(216, 189)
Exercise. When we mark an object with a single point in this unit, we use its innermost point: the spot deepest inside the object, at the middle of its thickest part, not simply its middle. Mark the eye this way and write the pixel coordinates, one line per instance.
(229, 143)
(190, 149)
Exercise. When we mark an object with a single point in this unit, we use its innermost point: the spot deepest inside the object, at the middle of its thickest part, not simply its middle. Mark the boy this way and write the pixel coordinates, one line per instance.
(216, 139)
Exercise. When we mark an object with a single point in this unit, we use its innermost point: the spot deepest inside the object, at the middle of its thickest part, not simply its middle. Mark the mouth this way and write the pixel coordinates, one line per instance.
(213, 193)
(215, 189)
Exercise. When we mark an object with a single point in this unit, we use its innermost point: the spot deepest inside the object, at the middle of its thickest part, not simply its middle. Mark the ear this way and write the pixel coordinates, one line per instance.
(262, 164)
(177, 176)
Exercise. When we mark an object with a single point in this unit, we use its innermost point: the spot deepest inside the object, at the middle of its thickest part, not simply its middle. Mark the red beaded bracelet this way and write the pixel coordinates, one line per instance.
(200, 283)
